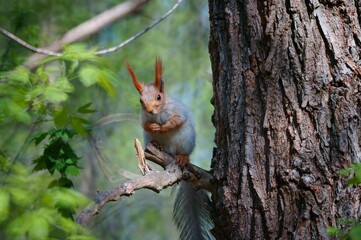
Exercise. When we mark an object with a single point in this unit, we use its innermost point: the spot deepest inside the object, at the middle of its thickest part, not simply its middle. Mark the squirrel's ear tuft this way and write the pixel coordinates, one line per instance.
(136, 83)
(158, 82)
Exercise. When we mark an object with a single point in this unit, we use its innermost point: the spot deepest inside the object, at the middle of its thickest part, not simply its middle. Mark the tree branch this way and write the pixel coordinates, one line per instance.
(88, 28)
(153, 180)
(150, 26)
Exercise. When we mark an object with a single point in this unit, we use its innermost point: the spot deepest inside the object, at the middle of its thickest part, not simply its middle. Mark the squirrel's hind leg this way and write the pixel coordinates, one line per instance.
(182, 160)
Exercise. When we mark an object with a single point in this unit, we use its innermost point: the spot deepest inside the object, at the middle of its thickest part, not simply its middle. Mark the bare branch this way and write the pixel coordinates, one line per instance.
(27, 45)
(153, 180)
(150, 26)
(87, 28)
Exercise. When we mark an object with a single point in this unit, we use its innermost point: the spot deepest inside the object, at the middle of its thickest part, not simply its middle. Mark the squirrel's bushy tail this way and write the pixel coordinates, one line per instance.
(191, 213)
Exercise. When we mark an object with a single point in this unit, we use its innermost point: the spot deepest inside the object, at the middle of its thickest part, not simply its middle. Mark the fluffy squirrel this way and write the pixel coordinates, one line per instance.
(168, 124)
(166, 121)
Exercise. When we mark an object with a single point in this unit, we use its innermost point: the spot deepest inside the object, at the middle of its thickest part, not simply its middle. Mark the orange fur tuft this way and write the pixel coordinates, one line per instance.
(158, 74)
(137, 84)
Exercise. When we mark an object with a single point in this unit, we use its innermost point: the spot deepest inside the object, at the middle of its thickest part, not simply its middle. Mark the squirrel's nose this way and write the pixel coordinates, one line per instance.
(149, 110)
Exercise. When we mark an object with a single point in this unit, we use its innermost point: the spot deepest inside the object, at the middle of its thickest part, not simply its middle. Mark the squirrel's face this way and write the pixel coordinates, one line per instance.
(152, 99)
(152, 96)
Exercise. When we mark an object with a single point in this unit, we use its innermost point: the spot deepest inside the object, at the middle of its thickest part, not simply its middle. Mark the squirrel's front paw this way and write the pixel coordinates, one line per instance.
(152, 127)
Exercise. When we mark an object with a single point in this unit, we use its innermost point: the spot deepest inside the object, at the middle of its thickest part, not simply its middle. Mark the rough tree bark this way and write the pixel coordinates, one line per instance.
(287, 97)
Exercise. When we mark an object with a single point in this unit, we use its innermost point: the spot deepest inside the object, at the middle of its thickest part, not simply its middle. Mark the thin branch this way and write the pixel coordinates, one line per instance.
(27, 45)
(87, 28)
(153, 180)
(150, 26)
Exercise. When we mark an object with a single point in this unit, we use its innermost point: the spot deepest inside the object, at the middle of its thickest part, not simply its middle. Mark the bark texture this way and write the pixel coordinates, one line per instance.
(287, 97)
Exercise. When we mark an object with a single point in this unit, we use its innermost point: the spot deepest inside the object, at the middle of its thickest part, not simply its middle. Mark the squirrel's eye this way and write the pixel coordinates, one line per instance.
(140, 100)
(158, 97)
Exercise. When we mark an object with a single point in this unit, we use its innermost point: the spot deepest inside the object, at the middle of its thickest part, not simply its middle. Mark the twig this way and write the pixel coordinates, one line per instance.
(150, 26)
(142, 163)
(27, 45)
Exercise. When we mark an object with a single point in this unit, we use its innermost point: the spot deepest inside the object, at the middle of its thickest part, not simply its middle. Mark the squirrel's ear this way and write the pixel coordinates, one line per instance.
(158, 82)
(137, 84)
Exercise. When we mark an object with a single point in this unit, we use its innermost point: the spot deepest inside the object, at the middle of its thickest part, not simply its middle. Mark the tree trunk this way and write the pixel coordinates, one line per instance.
(287, 115)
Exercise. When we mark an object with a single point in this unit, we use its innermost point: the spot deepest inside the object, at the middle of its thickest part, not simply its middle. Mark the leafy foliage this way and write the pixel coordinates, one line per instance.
(58, 156)
(355, 170)
(34, 206)
(351, 229)
(29, 209)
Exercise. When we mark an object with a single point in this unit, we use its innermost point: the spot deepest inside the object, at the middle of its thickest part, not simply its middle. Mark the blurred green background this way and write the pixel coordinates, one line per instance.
(108, 155)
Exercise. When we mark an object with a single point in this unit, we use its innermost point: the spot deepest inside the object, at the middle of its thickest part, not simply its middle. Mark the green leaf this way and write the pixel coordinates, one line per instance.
(105, 81)
(69, 161)
(69, 153)
(39, 138)
(60, 165)
(85, 108)
(39, 164)
(68, 198)
(73, 66)
(63, 84)
(77, 124)
(358, 174)
(20, 196)
(72, 171)
(107, 86)
(345, 171)
(62, 182)
(17, 228)
(67, 133)
(61, 118)
(332, 230)
(39, 228)
(89, 75)
(353, 180)
(54, 94)
(355, 232)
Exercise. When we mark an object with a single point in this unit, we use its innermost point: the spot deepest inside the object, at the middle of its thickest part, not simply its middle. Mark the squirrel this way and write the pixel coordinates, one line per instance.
(168, 124)
(166, 121)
